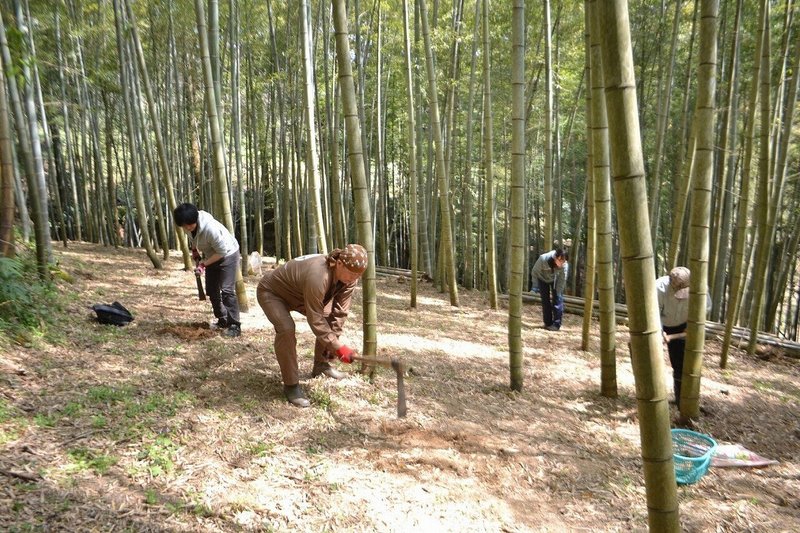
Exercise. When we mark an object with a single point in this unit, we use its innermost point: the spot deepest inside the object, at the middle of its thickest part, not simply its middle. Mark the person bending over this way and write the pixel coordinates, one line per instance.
(321, 288)
(216, 253)
(549, 273)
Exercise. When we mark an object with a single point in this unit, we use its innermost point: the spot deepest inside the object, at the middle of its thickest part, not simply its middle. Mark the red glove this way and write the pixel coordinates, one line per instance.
(200, 269)
(345, 354)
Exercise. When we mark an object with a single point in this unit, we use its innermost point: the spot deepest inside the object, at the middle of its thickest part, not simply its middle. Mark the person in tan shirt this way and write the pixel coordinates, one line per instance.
(321, 288)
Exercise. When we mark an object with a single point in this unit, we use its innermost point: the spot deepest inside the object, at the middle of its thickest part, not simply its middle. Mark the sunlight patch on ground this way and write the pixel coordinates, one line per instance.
(421, 300)
(420, 345)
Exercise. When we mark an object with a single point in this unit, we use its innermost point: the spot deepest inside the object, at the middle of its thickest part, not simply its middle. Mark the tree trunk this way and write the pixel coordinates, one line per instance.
(547, 203)
(726, 170)
(312, 157)
(602, 200)
(627, 169)
(761, 210)
(412, 157)
(358, 175)
(441, 173)
(6, 176)
(591, 230)
(518, 245)
(488, 158)
(217, 149)
(141, 210)
(743, 229)
(701, 210)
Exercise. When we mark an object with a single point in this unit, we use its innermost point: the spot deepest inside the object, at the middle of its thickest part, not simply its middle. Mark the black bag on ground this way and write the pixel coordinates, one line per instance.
(114, 314)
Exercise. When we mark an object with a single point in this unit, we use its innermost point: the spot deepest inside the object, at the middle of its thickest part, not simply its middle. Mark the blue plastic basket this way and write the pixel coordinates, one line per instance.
(691, 453)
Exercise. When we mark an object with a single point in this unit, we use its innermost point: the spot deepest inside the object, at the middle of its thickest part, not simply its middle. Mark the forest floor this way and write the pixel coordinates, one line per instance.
(164, 425)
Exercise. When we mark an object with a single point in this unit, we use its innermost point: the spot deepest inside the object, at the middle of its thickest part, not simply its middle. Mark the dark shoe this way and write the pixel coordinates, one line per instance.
(221, 324)
(295, 395)
(234, 331)
(327, 370)
(552, 327)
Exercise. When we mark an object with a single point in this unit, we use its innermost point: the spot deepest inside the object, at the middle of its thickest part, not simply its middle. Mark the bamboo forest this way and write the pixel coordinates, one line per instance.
(391, 265)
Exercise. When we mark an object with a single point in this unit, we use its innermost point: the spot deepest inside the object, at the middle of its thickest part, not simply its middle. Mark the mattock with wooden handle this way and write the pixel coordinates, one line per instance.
(399, 368)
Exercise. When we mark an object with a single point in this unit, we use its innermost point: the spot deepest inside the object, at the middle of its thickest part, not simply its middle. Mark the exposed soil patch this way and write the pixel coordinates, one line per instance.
(164, 425)
(190, 332)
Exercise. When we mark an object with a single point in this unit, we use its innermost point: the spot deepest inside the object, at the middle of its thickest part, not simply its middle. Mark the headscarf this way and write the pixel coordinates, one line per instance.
(679, 280)
(352, 256)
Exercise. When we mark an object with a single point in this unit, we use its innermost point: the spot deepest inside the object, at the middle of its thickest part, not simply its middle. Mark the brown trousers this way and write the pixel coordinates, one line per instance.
(278, 313)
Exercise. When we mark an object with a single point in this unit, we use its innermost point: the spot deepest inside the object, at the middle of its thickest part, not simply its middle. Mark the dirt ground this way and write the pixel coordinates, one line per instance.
(164, 425)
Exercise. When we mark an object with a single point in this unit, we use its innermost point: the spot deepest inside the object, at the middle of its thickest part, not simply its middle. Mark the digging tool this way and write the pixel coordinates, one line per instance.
(201, 294)
(399, 368)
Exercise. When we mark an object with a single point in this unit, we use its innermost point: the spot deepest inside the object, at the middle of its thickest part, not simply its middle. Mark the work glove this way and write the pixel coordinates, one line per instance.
(200, 269)
(196, 255)
(345, 354)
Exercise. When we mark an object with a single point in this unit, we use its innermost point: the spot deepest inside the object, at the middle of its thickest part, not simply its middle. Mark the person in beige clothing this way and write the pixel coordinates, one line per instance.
(321, 288)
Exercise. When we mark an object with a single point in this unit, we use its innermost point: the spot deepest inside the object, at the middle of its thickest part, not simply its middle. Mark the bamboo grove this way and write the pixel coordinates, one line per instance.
(104, 105)
(459, 139)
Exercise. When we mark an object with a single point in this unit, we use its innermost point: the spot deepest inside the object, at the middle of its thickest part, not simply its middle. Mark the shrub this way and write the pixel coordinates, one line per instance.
(26, 302)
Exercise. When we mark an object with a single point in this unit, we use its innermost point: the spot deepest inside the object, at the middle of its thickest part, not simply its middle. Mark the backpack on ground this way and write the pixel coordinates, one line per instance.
(114, 314)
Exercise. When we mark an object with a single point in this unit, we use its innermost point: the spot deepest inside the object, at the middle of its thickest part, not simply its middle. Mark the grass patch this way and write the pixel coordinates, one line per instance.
(5, 411)
(159, 457)
(151, 497)
(72, 409)
(320, 397)
(108, 395)
(261, 449)
(157, 403)
(86, 459)
(45, 421)
(763, 386)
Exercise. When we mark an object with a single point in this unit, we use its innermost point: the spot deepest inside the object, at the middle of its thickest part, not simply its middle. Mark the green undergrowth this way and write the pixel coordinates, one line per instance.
(29, 306)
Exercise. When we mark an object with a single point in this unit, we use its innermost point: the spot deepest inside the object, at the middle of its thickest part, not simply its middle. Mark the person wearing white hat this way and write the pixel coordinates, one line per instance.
(673, 305)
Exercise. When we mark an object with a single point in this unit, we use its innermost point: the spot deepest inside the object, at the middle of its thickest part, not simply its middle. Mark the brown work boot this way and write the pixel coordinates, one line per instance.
(327, 370)
(295, 395)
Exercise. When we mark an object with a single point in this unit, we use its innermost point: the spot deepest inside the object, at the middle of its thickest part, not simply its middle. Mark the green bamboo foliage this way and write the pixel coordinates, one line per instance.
(515, 344)
(355, 159)
(35, 184)
(602, 203)
(627, 170)
(701, 209)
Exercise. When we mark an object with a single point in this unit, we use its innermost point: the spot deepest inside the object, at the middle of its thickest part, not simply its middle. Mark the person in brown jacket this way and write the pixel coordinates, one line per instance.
(321, 288)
